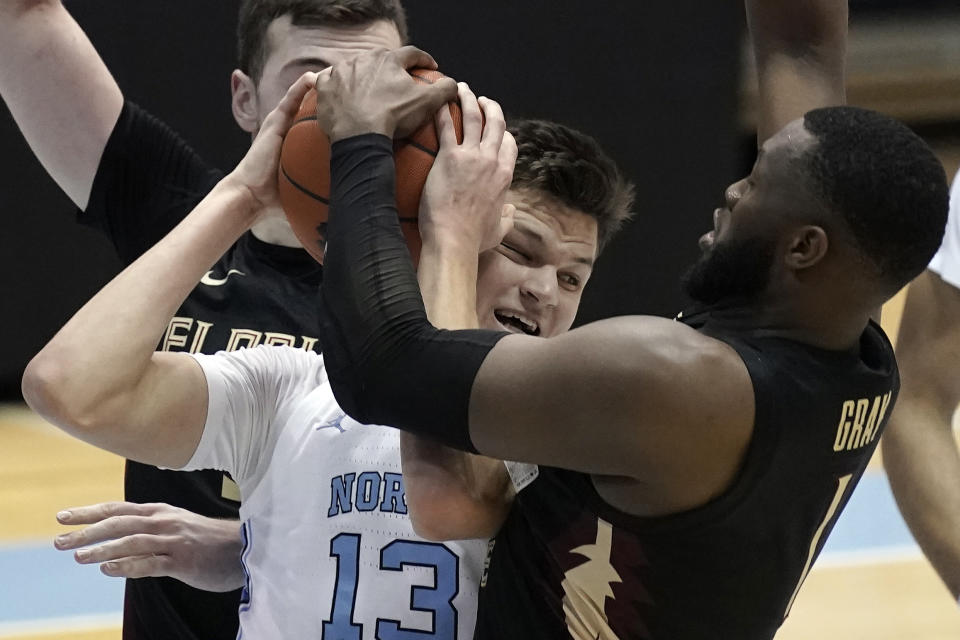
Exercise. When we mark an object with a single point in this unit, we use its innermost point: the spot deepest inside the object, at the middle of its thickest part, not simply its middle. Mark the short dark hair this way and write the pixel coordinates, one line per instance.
(257, 15)
(884, 182)
(571, 167)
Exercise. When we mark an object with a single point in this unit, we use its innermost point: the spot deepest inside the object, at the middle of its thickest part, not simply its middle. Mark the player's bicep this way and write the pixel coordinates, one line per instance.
(619, 397)
(59, 91)
(160, 419)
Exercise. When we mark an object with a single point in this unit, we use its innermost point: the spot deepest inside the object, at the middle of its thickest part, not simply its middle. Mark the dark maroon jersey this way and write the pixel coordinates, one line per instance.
(568, 565)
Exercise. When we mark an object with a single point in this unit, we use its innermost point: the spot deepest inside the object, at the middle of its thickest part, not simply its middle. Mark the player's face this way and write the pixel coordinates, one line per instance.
(532, 282)
(293, 50)
(739, 254)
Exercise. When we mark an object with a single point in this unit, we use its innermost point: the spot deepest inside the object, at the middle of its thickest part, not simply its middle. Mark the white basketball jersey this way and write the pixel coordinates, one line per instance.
(947, 261)
(329, 550)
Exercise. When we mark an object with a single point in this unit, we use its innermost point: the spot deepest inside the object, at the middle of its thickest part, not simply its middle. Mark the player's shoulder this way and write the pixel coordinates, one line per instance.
(666, 355)
(279, 362)
(671, 339)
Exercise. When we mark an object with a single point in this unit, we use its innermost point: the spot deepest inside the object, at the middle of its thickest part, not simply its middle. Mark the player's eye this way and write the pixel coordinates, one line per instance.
(570, 280)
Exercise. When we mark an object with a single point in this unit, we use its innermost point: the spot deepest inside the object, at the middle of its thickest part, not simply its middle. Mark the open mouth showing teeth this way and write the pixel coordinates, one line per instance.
(514, 323)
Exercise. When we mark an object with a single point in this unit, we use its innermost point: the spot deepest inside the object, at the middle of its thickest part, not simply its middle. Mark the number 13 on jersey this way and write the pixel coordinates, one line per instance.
(436, 600)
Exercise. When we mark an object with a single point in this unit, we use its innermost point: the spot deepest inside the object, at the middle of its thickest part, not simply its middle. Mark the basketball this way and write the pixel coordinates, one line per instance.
(304, 180)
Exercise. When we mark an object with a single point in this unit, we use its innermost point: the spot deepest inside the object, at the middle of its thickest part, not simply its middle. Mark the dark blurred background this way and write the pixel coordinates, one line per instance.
(663, 86)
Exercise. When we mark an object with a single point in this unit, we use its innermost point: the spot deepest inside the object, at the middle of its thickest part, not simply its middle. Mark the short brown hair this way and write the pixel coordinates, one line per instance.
(571, 167)
(257, 15)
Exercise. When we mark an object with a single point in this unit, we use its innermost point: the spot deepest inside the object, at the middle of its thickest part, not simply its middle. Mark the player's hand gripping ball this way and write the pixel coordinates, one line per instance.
(304, 183)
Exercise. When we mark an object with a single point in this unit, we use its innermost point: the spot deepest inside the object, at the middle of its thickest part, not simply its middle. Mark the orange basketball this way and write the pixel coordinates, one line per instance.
(304, 181)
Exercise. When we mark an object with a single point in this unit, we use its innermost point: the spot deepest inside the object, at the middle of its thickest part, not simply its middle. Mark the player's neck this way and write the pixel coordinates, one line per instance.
(275, 230)
(793, 318)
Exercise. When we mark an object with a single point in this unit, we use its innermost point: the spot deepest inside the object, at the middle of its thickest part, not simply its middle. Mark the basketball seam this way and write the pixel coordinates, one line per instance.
(303, 189)
(412, 143)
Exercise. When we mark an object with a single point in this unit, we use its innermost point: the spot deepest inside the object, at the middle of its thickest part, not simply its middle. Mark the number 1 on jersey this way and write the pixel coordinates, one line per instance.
(831, 511)
(346, 549)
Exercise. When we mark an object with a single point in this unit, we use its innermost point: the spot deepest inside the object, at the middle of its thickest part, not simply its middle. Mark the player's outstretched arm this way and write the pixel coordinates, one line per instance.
(59, 91)
(99, 377)
(800, 51)
(131, 540)
(919, 451)
(638, 397)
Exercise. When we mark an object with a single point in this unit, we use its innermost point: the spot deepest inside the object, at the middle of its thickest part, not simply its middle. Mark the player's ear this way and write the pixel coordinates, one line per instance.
(244, 101)
(808, 246)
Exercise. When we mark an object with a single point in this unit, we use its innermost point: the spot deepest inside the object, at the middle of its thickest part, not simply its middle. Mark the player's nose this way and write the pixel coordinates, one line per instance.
(541, 285)
(732, 195)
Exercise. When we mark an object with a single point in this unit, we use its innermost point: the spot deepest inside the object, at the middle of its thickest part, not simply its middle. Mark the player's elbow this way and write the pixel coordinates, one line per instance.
(430, 530)
(442, 518)
(440, 525)
(40, 386)
(48, 388)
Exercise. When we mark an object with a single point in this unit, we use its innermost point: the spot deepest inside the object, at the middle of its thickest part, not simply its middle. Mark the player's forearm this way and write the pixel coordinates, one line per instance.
(800, 53)
(923, 464)
(921, 460)
(105, 351)
(448, 284)
(377, 341)
(451, 495)
(797, 28)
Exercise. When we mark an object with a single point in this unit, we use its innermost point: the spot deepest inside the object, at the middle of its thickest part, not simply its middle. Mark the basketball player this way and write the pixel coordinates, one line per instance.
(135, 179)
(681, 476)
(919, 451)
(329, 549)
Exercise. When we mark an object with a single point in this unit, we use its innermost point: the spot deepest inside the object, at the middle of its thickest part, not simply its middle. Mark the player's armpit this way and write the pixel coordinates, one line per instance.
(919, 451)
(638, 397)
(58, 90)
(800, 51)
(453, 495)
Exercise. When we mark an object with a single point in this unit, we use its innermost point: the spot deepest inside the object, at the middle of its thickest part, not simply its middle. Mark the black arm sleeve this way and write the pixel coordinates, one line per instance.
(386, 363)
(147, 181)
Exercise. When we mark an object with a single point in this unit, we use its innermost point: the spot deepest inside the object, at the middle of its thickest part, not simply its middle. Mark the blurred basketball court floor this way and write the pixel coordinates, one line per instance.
(870, 582)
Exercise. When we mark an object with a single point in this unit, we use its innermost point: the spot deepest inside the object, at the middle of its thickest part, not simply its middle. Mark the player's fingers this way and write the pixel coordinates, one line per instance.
(109, 529)
(472, 115)
(281, 118)
(152, 566)
(426, 102)
(507, 156)
(96, 512)
(446, 132)
(323, 77)
(495, 124)
(506, 221)
(136, 545)
(443, 90)
(294, 96)
(411, 57)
